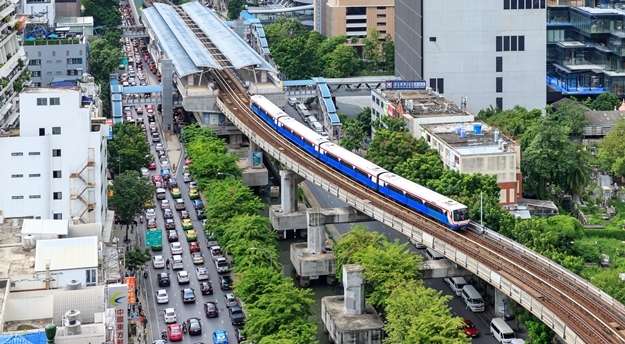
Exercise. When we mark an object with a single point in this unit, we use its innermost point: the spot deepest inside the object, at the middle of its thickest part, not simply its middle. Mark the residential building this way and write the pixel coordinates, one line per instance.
(72, 25)
(12, 64)
(56, 160)
(56, 58)
(477, 148)
(43, 11)
(489, 52)
(354, 18)
(71, 260)
(417, 108)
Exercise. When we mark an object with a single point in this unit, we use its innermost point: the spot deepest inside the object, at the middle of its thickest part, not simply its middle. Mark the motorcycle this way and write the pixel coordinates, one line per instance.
(164, 335)
(145, 273)
(141, 218)
(184, 328)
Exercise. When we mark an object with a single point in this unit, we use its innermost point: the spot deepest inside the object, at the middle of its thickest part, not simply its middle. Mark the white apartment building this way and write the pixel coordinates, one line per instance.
(489, 52)
(12, 62)
(56, 162)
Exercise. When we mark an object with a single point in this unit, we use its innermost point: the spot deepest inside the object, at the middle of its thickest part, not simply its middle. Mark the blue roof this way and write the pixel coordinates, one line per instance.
(236, 50)
(114, 82)
(116, 89)
(247, 15)
(298, 83)
(319, 80)
(261, 31)
(266, 51)
(117, 120)
(117, 109)
(263, 42)
(24, 338)
(117, 97)
(142, 89)
(325, 91)
(329, 105)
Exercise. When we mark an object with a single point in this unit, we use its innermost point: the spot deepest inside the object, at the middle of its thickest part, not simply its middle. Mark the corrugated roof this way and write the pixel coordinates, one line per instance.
(239, 53)
(143, 89)
(66, 254)
(55, 227)
(298, 83)
(180, 59)
(263, 42)
(24, 338)
(329, 104)
(325, 91)
(117, 109)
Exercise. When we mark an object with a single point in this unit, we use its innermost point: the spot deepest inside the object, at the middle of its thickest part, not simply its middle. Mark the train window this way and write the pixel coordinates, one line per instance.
(461, 214)
(433, 207)
(307, 142)
(364, 174)
(346, 164)
(414, 198)
(330, 156)
(394, 189)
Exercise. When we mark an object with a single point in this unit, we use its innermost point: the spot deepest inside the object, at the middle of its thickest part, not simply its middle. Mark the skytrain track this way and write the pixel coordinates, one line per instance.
(592, 318)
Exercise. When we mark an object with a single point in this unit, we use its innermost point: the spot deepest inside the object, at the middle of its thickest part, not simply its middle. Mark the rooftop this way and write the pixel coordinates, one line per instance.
(469, 138)
(54, 227)
(422, 103)
(14, 261)
(335, 307)
(604, 118)
(66, 254)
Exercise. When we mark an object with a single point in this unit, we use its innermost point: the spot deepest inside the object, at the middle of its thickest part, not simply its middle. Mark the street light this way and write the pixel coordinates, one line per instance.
(266, 250)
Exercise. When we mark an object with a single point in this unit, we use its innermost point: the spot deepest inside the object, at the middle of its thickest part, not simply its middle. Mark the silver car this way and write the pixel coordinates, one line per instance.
(187, 177)
(231, 300)
(201, 273)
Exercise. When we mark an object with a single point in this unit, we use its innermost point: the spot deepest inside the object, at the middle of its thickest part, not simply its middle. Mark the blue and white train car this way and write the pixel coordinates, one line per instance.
(427, 202)
(266, 110)
(301, 135)
(351, 164)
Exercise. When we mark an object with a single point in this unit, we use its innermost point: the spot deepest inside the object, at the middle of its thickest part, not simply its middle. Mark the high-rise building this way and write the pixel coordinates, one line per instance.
(55, 163)
(478, 53)
(12, 63)
(354, 17)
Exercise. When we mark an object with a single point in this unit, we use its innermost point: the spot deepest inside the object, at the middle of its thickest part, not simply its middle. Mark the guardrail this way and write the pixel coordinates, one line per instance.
(491, 276)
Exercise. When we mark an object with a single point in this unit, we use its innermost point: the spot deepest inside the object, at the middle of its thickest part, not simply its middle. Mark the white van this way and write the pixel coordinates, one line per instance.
(472, 299)
(177, 263)
(430, 254)
(456, 284)
(317, 127)
(161, 193)
(501, 331)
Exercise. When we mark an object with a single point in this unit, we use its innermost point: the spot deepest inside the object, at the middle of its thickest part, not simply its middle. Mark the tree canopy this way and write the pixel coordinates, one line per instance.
(129, 146)
(612, 150)
(356, 131)
(606, 101)
(234, 8)
(136, 258)
(130, 192)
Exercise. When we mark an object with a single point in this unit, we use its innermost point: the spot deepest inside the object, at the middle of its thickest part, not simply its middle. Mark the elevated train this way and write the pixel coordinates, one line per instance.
(427, 202)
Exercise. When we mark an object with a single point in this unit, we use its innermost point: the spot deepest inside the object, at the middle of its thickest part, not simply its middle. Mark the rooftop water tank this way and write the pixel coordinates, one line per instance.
(477, 128)
(28, 242)
(73, 285)
(463, 133)
(458, 128)
(71, 322)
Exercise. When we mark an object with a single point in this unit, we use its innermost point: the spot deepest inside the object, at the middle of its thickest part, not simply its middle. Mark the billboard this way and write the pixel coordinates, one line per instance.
(131, 282)
(117, 299)
(405, 85)
(109, 122)
(390, 110)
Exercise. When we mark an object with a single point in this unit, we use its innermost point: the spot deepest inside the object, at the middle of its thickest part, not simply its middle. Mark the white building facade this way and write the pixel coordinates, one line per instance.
(56, 167)
(66, 261)
(12, 62)
(489, 52)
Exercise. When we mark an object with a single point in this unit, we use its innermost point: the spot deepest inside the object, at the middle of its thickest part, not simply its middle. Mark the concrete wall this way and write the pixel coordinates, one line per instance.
(380, 14)
(51, 61)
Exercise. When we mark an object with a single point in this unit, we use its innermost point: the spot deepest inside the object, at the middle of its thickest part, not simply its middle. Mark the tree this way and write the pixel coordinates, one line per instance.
(354, 136)
(570, 115)
(387, 122)
(342, 62)
(130, 192)
(606, 101)
(388, 53)
(104, 13)
(135, 259)
(372, 50)
(390, 148)
(211, 158)
(416, 314)
(229, 198)
(353, 241)
(421, 168)
(253, 283)
(234, 8)
(364, 121)
(513, 122)
(284, 29)
(612, 150)
(103, 58)
(129, 146)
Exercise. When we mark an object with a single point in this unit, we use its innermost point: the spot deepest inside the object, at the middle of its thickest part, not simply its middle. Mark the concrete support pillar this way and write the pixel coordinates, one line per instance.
(190, 80)
(288, 190)
(167, 107)
(316, 230)
(263, 76)
(354, 284)
(254, 156)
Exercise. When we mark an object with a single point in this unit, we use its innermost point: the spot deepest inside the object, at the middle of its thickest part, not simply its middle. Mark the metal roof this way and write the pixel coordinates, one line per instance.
(286, 83)
(116, 88)
(67, 254)
(329, 104)
(325, 91)
(239, 53)
(117, 109)
(143, 89)
(182, 62)
(55, 227)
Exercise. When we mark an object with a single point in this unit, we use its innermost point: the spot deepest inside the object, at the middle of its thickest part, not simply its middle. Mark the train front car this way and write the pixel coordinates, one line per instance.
(460, 216)
(266, 110)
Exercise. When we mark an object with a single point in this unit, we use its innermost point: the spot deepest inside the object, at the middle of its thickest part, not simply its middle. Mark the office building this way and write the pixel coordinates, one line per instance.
(56, 58)
(482, 53)
(354, 18)
(56, 161)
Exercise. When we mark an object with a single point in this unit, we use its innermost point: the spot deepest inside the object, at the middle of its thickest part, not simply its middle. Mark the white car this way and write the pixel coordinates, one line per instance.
(145, 172)
(165, 204)
(187, 177)
(183, 277)
(150, 214)
(176, 248)
(161, 296)
(170, 315)
(158, 262)
(201, 273)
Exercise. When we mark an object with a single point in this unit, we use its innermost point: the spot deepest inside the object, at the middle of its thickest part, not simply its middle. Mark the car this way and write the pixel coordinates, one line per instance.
(183, 277)
(292, 101)
(161, 296)
(156, 137)
(201, 273)
(139, 111)
(170, 224)
(173, 183)
(417, 244)
(192, 185)
(174, 331)
(194, 194)
(197, 258)
(187, 177)
(145, 172)
(168, 213)
(221, 264)
(150, 214)
(172, 235)
(165, 172)
(220, 337)
(175, 193)
(210, 309)
(170, 315)
(176, 248)
(191, 235)
(200, 214)
(185, 215)
(158, 262)
(157, 178)
(165, 204)
(152, 166)
(149, 203)
(163, 279)
(187, 224)
(194, 246)
(151, 224)
(159, 146)
(194, 326)
(215, 252)
(238, 334)
(225, 282)
(211, 239)
(469, 329)
(163, 159)
(187, 161)
(230, 300)
(179, 203)
(188, 295)
(237, 317)
(197, 204)
(206, 288)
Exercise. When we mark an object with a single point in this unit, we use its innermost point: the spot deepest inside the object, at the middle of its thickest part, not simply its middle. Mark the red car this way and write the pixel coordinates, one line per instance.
(187, 161)
(469, 329)
(194, 246)
(174, 331)
(157, 179)
(152, 165)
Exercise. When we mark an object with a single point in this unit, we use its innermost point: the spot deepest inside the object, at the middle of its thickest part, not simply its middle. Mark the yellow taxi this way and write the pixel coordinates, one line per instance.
(187, 224)
(193, 194)
(149, 204)
(191, 235)
(175, 193)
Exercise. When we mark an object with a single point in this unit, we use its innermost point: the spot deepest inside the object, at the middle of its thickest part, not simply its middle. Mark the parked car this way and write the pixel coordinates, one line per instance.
(145, 172)
(187, 177)
(194, 194)
(200, 214)
(230, 300)
(215, 252)
(210, 309)
(469, 329)
(197, 204)
(238, 334)
(237, 317)
(221, 264)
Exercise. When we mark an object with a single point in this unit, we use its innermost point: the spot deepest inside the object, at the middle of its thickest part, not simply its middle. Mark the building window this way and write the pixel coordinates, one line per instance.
(521, 43)
(66, 52)
(57, 195)
(58, 72)
(57, 216)
(17, 197)
(356, 11)
(56, 174)
(513, 4)
(42, 131)
(17, 154)
(91, 277)
(506, 43)
(17, 176)
(53, 53)
(35, 73)
(438, 85)
(521, 4)
(499, 64)
(48, 61)
(39, 54)
(34, 175)
(75, 61)
(55, 101)
(513, 40)
(56, 130)
(432, 39)
(381, 23)
(80, 52)
(56, 153)
(506, 4)
(381, 15)
(34, 153)
(499, 102)
(36, 84)
(34, 196)
(49, 72)
(42, 101)
(35, 62)
(499, 43)
(499, 85)
(72, 72)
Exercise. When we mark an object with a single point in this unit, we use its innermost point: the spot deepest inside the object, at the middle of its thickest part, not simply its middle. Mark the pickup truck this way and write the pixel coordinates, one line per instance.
(237, 317)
